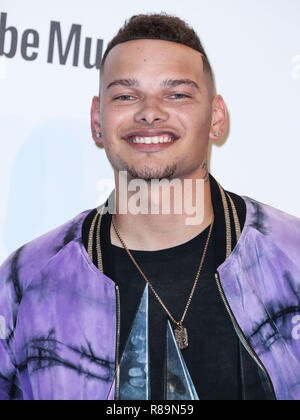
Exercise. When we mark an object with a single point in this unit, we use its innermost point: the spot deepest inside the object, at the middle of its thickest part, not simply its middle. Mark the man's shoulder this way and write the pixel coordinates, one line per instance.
(271, 222)
(30, 258)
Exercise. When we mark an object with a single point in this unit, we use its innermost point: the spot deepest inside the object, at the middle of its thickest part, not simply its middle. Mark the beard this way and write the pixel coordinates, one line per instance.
(146, 172)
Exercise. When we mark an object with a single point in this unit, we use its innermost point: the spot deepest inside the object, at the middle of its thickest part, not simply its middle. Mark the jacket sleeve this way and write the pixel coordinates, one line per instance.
(9, 302)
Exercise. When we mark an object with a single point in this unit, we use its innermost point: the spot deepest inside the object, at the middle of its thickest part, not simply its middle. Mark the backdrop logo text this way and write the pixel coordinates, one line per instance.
(61, 49)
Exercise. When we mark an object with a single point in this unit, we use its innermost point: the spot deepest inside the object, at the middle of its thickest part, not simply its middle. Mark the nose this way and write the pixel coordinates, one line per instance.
(151, 112)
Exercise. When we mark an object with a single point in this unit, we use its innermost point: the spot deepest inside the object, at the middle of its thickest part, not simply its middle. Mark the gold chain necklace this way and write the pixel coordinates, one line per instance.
(180, 331)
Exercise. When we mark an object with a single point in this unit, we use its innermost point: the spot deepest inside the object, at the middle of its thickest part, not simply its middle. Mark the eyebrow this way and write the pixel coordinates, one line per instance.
(164, 83)
(123, 82)
(178, 82)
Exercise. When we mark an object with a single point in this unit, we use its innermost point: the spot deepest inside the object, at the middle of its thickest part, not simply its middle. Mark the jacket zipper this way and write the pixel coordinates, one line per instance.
(242, 336)
(117, 384)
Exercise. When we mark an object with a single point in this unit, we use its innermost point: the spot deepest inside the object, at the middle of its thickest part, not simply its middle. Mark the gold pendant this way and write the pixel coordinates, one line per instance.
(181, 337)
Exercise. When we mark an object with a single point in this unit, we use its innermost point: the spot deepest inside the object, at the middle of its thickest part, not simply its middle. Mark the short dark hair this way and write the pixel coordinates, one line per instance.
(159, 26)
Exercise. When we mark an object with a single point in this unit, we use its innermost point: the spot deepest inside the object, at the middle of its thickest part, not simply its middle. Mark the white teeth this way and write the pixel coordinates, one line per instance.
(150, 140)
(138, 140)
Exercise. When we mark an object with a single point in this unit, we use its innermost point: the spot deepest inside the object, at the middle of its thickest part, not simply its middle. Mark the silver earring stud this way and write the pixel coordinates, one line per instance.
(216, 133)
(98, 135)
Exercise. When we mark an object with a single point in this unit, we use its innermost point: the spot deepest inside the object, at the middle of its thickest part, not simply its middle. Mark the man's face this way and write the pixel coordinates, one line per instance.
(155, 109)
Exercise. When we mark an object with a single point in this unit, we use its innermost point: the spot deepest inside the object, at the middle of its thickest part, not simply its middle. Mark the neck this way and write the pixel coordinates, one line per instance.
(159, 216)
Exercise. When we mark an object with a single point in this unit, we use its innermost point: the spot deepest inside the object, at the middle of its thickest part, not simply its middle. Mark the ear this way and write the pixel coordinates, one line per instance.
(219, 118)
(95, 124)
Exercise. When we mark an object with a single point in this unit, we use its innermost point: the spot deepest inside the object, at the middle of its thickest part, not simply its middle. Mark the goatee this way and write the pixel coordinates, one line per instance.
(147, 173)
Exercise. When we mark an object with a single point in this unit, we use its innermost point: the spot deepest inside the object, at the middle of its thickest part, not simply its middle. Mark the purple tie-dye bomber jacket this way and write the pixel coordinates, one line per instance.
(58, 311)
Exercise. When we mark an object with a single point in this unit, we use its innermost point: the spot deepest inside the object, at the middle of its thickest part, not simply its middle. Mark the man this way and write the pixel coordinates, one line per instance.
(156, 304)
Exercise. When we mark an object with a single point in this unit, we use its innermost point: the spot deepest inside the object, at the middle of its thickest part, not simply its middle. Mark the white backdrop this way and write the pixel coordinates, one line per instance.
(50, 169)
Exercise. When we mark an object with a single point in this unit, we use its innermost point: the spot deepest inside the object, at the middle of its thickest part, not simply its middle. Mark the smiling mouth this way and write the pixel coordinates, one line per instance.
(152, 139)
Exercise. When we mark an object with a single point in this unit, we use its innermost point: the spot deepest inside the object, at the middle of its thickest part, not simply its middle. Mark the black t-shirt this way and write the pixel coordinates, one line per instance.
(212, 356)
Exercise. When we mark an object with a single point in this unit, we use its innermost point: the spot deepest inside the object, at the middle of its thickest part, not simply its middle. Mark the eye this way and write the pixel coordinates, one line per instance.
(124, 98)
(179, 96)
